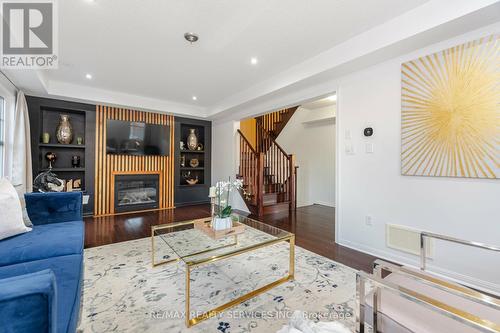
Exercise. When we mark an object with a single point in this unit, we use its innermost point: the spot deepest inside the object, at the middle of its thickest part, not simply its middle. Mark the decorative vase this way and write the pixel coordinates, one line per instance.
(64, 131)
(51, 158)
(192, 140)
(222, 223)
(45, 137)
(75, 161)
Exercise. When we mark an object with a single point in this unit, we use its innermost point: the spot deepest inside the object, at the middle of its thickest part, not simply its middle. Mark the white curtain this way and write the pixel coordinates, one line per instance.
(21, 172)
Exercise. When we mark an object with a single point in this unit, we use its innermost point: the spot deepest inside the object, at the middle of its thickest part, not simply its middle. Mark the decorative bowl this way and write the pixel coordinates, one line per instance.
(192, 181)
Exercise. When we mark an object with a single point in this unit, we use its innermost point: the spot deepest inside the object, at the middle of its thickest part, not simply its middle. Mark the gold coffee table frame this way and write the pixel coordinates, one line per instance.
(190, 264)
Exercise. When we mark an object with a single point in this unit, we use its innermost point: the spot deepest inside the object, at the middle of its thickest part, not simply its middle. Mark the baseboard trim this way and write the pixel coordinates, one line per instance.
(324, 203)
(192, 203)
(472, 282)
(134, 212)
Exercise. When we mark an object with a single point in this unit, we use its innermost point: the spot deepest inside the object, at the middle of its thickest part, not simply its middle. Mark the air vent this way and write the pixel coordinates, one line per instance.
(406, 239)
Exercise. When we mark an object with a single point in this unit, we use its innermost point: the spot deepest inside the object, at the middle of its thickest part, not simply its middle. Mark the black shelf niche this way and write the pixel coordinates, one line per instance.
(186, 194)
(45, 116)
(59, 145)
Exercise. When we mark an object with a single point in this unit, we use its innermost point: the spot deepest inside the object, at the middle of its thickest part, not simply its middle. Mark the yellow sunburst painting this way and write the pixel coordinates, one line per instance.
(450, 104)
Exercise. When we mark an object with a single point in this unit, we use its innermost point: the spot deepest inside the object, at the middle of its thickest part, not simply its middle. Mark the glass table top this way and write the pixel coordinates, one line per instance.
(190, 241)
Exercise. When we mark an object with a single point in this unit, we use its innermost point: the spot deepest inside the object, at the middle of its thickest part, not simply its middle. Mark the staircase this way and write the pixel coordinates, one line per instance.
(273, 123)
(267, 171)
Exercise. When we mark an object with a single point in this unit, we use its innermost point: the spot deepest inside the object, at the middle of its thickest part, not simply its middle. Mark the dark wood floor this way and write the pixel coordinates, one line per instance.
(313, 227)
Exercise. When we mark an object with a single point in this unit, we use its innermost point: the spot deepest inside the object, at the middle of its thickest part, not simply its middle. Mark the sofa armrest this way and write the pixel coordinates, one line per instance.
(28, 303)
(54, 207)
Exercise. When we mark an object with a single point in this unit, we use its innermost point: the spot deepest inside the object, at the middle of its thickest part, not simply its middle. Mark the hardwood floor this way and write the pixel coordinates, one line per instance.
(119, 228)
(314, 230)
(313, 227)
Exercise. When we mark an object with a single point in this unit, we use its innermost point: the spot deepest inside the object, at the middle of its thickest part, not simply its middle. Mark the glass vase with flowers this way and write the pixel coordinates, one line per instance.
(221, 195)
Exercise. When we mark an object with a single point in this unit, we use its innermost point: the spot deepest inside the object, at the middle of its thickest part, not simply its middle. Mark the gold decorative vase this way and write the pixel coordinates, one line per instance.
(64, 131)
(192, 140)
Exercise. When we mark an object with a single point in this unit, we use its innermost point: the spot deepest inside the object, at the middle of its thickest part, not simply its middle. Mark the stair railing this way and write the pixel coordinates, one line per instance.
(279, 166)
(251, 170)
(270, 121)
(274, 122)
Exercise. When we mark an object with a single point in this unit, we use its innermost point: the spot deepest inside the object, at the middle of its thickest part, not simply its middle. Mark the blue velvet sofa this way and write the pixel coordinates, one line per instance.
(41, 271)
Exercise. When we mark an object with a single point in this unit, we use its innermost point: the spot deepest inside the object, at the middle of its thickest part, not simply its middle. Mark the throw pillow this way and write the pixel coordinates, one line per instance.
(11, 223)
(26, 218)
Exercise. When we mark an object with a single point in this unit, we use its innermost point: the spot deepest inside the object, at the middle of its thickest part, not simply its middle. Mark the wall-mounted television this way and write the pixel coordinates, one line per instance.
(137, 138)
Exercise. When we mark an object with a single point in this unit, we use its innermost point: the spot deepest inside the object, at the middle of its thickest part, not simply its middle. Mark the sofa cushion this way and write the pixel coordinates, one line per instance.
(34, 291)
(68, 272)
(54, 207)
(11, 212)
(44, 241)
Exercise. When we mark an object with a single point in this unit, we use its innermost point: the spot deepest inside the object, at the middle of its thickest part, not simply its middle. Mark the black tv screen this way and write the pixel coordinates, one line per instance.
(137, 138)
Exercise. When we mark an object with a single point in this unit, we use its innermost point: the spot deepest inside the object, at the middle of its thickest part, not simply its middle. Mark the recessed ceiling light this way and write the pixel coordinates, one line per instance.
(191, 37)
(195, 98)
(332, 98)
(254, 61)
(88, 76)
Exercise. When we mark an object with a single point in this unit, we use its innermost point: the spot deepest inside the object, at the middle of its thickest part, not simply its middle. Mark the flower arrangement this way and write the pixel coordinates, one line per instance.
(220, 194)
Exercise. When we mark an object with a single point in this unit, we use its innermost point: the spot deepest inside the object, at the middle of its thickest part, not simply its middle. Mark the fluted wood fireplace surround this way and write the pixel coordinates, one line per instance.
(139, 168)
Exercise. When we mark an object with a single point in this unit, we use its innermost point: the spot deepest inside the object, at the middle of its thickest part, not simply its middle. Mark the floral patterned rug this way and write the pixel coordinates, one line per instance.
(123, 293)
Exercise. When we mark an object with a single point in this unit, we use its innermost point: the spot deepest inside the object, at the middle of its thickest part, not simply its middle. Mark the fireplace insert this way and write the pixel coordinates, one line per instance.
(136, 192)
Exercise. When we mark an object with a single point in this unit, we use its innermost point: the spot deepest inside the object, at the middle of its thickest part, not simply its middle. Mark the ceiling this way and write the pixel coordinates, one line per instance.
(321, 103)
(137, 47)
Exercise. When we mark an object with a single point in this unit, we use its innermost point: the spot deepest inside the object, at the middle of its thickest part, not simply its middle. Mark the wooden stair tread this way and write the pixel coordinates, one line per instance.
(276, 208)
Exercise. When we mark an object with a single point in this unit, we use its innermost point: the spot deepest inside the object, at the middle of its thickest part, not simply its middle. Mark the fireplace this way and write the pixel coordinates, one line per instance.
(136, 192)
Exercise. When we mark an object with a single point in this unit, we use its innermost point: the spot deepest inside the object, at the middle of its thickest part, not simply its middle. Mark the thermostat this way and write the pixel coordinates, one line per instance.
(368, 131)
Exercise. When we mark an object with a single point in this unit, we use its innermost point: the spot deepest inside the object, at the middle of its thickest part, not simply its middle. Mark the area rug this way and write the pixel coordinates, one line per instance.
(123, 293)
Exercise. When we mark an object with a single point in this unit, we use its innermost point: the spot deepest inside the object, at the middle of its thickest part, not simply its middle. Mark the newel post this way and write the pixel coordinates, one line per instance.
(260, 184)
(292, 187)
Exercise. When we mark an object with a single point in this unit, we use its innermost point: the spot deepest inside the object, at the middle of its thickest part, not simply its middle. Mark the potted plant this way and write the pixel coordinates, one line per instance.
(221, 197)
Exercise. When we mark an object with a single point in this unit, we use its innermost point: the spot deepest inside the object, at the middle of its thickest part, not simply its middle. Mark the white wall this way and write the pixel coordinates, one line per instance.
(314, 147)
(371, 184)
(225, 157)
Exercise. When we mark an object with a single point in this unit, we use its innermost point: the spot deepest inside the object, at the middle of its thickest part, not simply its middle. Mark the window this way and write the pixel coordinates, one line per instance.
(2, 135)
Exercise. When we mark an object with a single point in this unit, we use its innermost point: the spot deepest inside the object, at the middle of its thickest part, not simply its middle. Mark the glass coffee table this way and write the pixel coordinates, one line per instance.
(191, 243)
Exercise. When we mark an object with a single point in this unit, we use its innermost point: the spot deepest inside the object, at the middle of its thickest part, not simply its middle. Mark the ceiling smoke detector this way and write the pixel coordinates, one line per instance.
(191, 37)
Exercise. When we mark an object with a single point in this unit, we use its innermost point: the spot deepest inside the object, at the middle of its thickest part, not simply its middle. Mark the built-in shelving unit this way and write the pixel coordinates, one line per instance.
(66, 169)
(60, 145)
(194, 169)
(45, 115)
(193, 151)
(50, 118)
(185, 193)
(189, 155)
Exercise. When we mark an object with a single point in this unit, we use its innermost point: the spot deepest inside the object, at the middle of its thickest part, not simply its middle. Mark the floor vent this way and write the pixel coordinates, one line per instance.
(405, 239)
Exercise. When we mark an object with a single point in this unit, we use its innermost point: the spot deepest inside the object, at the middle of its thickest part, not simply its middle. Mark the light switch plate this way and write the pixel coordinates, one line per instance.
(369, 147)
(349, 148)
(347, 134)
(369, 220)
